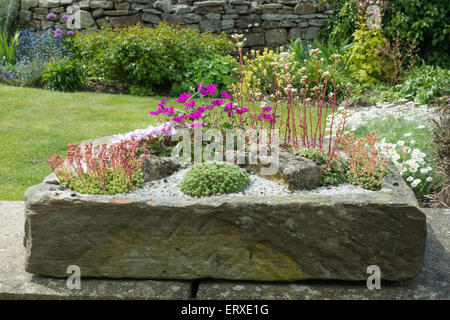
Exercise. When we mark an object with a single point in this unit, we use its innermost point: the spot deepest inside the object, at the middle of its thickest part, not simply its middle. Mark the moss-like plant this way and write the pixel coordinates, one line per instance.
(214, 178)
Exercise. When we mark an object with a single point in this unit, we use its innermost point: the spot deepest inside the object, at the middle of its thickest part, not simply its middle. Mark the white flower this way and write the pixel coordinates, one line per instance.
(429, 179)
(413, 169)
(415, 182)
(429, 168)
(423, 170)
(400, 143)
(402, 170)
(409, 179)
(408, 134)
(421, 126)
(412, 141)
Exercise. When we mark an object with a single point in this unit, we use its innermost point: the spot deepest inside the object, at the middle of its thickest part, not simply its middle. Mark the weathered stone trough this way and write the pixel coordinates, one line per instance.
(247, 238)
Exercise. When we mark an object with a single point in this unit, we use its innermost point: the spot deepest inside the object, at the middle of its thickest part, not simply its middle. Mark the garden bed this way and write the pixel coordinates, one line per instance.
(284, 237)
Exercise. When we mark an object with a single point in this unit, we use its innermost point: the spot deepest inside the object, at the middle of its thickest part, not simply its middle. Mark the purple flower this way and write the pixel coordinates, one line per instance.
(66, 17)
(197, 125)
(58, 33)
(51, 16)
(225, 95)
(69, 33)
(183, 97)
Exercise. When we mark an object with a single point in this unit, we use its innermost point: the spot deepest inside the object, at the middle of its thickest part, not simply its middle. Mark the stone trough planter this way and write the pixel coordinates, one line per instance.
(295, 237)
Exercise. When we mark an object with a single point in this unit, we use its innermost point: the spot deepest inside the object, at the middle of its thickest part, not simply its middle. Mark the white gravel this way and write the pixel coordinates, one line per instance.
(170, 187)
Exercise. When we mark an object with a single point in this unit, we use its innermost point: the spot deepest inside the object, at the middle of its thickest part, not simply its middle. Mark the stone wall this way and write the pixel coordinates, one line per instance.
(265, 23)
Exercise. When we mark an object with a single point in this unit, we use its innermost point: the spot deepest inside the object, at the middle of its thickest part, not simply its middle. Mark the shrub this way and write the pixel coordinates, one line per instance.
(64, 75)
(145, 57)
(213, 178)
(9, 16)
(368, 64)
(424, 83)
(100, 169)
(414, 20)
(214, 69)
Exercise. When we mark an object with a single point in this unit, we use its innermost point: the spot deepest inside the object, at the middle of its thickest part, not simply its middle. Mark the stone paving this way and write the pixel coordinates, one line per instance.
(15, 283)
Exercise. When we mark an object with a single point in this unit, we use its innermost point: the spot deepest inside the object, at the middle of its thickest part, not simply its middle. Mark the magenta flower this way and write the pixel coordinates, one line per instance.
(225, 95)
(154, 113)
(267, 109)
(204, 91)
(216, 103)
(51, 16)
(178, 119)
(240, 111)
(163, 103)
(168, 111)
(195, 115)
(189, 105)
(183, 97)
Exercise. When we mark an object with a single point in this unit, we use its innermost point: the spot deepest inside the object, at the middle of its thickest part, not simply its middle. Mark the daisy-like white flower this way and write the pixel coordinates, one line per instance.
(423, 170)
(409, 179)
(415, 182)
(402, 170)
(429, 168)
(429, 179)
(400, 143)
(412, 141)
(408, 134)
(413, 169)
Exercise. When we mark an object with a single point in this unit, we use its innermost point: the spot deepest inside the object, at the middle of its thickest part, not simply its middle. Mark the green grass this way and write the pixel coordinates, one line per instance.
(36, 123)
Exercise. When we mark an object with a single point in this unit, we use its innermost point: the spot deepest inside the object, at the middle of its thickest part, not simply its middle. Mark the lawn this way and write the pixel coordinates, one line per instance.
(36, 123)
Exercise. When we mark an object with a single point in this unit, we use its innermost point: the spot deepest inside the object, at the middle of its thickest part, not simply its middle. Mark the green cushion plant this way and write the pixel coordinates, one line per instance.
(212, 178)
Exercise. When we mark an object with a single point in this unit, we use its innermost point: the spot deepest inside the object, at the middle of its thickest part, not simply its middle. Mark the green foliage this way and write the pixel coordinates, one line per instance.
(342, 24)
(333, 172)
(368, 65)
(64, 75)
(366, 180)
(114, 183)
(8, 48)
(141, 91)
(214, 178)
(331, 47)
(9, 16)
(424, 21)
(145, 57)
(424, 83)
(214, 69)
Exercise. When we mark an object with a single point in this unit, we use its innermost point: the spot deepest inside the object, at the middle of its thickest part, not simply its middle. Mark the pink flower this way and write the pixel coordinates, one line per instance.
(240, 111)
(189, 105)
(163, 103)
(197, 125)
(178, 119)
(225, 95)
(267, 109)
(183, 97)
(195, 115)
(168, 111)
(216, 103)
(204, 91)
(154, 113)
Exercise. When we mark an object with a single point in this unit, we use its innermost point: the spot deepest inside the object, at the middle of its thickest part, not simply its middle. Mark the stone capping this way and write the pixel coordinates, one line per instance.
(265, 23)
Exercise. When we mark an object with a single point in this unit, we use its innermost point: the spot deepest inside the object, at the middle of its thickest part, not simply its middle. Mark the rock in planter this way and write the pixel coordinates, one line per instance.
(295, 237)
(155, 168)
(294, 172)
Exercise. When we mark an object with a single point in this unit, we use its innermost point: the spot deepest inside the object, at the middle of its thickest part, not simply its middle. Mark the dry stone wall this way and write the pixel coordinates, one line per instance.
(265, 23)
